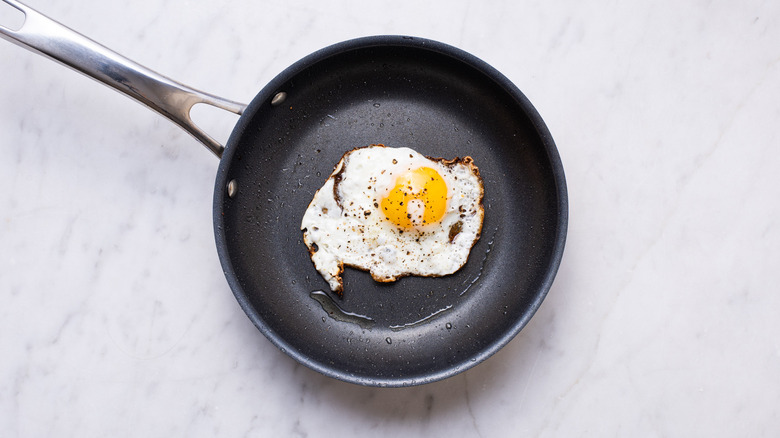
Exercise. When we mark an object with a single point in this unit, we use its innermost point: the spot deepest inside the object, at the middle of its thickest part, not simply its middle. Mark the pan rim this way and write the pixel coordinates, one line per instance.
(263, 98)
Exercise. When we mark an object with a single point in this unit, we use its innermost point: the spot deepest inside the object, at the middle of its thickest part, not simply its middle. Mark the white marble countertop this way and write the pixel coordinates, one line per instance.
(116, 319)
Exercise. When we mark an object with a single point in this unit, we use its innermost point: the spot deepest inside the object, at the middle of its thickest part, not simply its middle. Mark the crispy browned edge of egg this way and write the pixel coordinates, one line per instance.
(466, 160)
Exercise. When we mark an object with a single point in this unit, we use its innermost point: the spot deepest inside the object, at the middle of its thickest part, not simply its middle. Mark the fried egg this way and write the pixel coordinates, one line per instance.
(394, 212)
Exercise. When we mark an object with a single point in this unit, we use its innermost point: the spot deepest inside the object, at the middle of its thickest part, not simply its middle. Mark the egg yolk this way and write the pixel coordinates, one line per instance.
(418, 198)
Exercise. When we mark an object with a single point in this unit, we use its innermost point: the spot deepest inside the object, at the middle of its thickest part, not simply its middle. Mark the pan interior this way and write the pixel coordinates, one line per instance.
(442, 104)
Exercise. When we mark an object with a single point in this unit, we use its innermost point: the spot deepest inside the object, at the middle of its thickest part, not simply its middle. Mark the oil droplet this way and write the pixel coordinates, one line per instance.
(422, 321)
(482, 266)
(334, 311)
(376, 105)
(448, 326)
(388, 340)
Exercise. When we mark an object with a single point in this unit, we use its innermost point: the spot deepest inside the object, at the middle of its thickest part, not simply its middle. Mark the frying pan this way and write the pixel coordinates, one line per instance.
(395, 90)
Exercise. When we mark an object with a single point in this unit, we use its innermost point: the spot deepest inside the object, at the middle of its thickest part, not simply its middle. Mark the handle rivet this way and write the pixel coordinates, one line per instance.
(232, 188)
(278, 98)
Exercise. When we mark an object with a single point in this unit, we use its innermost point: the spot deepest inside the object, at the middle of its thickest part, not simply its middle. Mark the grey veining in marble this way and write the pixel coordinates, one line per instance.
(116, 320)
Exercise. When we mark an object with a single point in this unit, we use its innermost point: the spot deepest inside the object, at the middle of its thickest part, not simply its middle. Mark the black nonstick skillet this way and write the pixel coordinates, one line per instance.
(394, 90)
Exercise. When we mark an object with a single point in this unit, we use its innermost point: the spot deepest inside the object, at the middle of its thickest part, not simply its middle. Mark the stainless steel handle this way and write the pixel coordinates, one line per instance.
(173, 100)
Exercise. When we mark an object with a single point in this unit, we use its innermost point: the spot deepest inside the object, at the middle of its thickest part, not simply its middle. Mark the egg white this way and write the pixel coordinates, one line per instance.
(344, 224)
